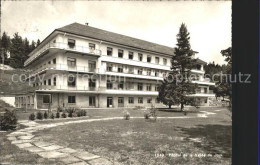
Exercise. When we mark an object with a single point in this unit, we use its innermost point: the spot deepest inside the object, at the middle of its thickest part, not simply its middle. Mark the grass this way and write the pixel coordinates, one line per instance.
(137, 141)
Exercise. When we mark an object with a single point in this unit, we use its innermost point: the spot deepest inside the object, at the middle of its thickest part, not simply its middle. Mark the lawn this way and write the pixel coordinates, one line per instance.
(140, 141)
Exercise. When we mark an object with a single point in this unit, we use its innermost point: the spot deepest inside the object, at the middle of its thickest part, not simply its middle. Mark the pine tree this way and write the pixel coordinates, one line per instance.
(17, 51)
(38, 43)
(5, 43)
(179, 82)
(32, 46)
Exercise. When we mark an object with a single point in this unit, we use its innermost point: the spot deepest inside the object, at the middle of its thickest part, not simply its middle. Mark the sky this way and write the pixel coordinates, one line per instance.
(209, 22)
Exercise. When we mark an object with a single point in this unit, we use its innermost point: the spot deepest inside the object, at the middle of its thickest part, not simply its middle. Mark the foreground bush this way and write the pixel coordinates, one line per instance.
(147, 114)
(39, 115)
(152, 112)
(63, 115)
(83, 113)
(58, 114)
(52, 116)
(70, 111)
(8, 120)
(126, 115)
(32, 116)
(59, 109)
(45, 115)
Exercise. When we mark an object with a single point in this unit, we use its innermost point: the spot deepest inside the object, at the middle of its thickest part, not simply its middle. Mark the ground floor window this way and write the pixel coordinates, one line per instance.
(92, 100)
(71, 99)
(140, 100)
(120, 100)
(206, 100)
(149, 100)
(46, 98)
(131, 100)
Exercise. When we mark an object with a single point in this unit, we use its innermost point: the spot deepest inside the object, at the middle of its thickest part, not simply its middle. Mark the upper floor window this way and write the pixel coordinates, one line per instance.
(109, 51)
(92, 83)
(92, 100)
(49, 81)
(131, 55)
(156, 73)
(109, 84)
(140, 86)
(71, 43)
(44, 82)
(92, 46)
(157, 60)
(148, 87)
(72, 81)
(157, 88)
(54, 61)
(140, 71)
(71, 61)
(198, 67)
(120, 69)
(109, 67)
(131, 100)
(149, 58)
(121, 85)
(140, 100)
(164, 61)
(54, 81)
(149, 100)
(140, 57)
(120, 53)
(148, 72)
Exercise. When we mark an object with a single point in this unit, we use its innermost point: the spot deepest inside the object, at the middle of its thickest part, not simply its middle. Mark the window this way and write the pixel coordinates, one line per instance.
(45, 82)
(156, 73)
(92, 83)
(149, 100)
(131, 100)
(109, 67)
(120, 100)
(71, 99)
(131, 55)
(140, 57)
(157, 88)
(71, 81)
(109, 51)
(46, 98)
(205, 100)
(140, 86)
(92, 100)
(91, 46)
(198, 67)
(54, 81)
(120, 53)
(140, 71)
(140, 100)
(148, 87)
(205, 90)
(71, 61)
(164, 61)
(120, 69)
(157, 60)
(71, 43)
(54, 61)
(92, 66)
(149, 58)
(49, 62)
(148, 72)
(109, 84)
(121, 85)
(49, 81)
(54, 41)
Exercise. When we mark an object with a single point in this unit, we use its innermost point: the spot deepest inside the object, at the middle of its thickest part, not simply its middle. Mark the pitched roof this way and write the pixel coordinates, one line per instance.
(91, 32)
(199, 61)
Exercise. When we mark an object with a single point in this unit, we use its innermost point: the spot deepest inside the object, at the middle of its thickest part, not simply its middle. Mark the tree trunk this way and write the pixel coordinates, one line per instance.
(182, 106)
(170, 106)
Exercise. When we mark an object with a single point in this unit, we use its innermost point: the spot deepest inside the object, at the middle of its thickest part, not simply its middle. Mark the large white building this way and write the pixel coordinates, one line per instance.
(78, 65)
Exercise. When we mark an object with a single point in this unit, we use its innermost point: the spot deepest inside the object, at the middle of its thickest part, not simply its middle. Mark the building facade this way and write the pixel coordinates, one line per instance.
(81, 66)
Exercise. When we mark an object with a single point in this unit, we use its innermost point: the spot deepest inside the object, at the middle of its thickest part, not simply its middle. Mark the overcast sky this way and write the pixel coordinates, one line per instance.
(209, 23)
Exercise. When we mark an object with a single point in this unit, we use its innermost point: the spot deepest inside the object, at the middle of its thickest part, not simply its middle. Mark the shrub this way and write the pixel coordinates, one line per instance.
(83, 113)
(32, 116)
(8, 120)
(39, 115)
(59, 109)
(52, 116)
(79, 113)
(126, 115)
(63, 115)
(45, 115)
(58, 114)
(74, 114)
(147, 115)
(70, 111)
(153, 112)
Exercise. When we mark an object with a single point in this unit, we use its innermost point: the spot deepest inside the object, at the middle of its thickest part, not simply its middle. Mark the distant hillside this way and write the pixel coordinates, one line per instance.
(7, 86)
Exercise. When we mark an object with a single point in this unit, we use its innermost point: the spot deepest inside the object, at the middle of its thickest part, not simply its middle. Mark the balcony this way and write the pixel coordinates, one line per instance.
(64, 46)
(203, 92)
(63, 67)
(65, 88)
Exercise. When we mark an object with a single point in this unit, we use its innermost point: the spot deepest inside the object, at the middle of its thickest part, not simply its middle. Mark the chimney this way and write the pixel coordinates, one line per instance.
(86, 23)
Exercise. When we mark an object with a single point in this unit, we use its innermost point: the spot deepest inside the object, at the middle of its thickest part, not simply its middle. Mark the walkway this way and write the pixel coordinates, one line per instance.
(24, 139)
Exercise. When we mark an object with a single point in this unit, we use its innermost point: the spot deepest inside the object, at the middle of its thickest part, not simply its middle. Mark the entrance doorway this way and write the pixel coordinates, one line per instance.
(109, 102)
